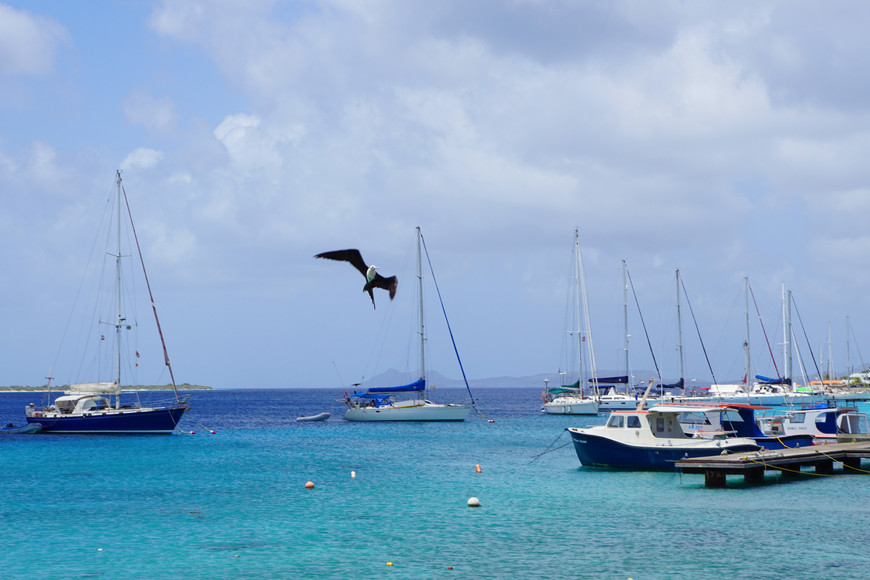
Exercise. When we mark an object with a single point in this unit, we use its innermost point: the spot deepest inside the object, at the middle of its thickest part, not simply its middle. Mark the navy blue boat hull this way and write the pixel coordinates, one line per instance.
(152, 421)
(785, 441)
(595, 451)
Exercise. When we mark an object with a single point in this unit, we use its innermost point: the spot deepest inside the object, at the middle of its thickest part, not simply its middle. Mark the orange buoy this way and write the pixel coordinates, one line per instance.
(477, 468)
(309, 485)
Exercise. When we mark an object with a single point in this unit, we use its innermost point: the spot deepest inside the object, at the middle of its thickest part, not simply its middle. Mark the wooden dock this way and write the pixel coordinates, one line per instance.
(788, 462)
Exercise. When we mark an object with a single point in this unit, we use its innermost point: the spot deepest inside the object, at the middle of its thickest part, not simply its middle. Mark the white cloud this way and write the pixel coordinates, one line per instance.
(672, 135)
(252, 145)
(142, 158)
(28, 43)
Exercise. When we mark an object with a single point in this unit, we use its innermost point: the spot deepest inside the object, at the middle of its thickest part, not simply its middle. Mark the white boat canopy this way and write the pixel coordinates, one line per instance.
(686, 409)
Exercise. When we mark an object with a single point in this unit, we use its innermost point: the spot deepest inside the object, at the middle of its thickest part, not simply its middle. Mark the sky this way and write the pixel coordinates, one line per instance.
(723, 139)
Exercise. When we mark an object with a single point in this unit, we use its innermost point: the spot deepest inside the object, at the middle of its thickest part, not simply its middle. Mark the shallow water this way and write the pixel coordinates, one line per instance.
(234, 504)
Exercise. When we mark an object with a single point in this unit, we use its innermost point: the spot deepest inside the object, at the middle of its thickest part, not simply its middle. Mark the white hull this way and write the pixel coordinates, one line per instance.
(622, 403)
(763, 399)
(571, 406)
(413, 410)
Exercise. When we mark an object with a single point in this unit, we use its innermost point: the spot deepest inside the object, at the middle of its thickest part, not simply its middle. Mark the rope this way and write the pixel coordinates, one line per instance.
(698, 330)
(763, 331)
(769, 466)
(450, 330)
(150, 294)
(550, 449)
(844, 463)
(643, 324)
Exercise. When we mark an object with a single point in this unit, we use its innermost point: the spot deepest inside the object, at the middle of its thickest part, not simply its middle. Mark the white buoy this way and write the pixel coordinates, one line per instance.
(473, 502)
(353, 474)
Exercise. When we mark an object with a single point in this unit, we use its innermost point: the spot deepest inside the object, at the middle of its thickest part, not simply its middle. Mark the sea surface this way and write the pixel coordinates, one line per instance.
(233, 504)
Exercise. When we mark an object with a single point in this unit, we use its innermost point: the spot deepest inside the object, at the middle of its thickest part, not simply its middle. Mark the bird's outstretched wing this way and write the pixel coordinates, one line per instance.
(390, 284)
(353, 256)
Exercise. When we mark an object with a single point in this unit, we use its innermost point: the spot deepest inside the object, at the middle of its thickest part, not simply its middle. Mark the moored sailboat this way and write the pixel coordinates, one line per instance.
(96, 407)
(571, 399)
(405, 402)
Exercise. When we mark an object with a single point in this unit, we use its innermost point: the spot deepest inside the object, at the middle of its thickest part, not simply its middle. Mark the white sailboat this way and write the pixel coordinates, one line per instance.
(609, 397)
(406, 402)
(569, 399)
(88, 407)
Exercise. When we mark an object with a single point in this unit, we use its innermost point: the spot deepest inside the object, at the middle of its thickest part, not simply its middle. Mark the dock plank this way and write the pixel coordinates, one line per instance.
(820, 457)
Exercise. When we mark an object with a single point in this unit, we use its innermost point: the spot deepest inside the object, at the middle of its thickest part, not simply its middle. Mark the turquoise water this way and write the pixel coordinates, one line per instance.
(234, 504)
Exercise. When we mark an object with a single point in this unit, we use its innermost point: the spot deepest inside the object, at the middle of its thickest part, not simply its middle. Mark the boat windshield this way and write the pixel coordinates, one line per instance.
(619, 421)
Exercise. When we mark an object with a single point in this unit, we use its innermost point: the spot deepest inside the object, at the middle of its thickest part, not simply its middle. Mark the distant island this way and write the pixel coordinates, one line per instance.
(42, 389)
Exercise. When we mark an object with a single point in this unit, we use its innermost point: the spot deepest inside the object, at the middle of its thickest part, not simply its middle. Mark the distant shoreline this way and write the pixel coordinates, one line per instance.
(184, 387)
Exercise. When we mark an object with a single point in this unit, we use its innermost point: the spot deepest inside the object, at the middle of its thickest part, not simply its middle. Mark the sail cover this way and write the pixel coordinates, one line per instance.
(96, 388)
(620, 380)
(770, 381)
(678, 385)
(416, 386)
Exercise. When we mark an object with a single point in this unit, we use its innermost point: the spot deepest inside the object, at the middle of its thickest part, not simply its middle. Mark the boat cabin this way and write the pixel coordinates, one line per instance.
(664, 424)
(76, 404)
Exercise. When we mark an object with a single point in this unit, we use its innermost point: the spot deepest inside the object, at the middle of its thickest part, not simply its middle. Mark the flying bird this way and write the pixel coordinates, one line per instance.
(373, 279)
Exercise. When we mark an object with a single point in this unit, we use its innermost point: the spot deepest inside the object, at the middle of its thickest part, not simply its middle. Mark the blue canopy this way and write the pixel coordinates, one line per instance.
(620, 380)
(416, 386)
(770, 381)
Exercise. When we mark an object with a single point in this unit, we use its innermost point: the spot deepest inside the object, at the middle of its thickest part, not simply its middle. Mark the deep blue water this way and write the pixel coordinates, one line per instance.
(234, 504)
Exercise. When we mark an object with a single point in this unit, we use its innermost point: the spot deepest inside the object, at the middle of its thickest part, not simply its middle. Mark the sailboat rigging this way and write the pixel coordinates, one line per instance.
(87, 407)
(570, 399)
(383, 404)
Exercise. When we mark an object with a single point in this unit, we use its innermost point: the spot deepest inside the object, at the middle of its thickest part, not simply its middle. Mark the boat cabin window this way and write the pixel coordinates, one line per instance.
(693, 419)
(853, 424)
(616, 421)
(633, 422)
(731, 416)
(797, 418)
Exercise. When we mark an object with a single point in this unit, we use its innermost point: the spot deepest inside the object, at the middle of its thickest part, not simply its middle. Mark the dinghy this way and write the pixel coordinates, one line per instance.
(318, 417)
(29, 428)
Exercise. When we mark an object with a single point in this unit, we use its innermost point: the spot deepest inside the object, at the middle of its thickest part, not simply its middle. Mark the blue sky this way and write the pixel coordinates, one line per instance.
(722, 139)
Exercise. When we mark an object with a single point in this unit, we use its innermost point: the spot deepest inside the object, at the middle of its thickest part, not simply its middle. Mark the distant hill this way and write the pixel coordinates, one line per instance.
(182, 387)
(436, 379)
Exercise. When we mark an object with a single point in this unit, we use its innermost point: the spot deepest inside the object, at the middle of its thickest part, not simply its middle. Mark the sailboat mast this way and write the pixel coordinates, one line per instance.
(848, 354)
(118, 317)
(788, 364)
(422, 327)
(577, 311)
(746, 341)
(625, 318)
(586, 323)
(679, 327)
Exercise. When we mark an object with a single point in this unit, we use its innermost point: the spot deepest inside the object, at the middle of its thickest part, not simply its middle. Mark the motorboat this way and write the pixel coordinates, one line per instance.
(650, 439)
